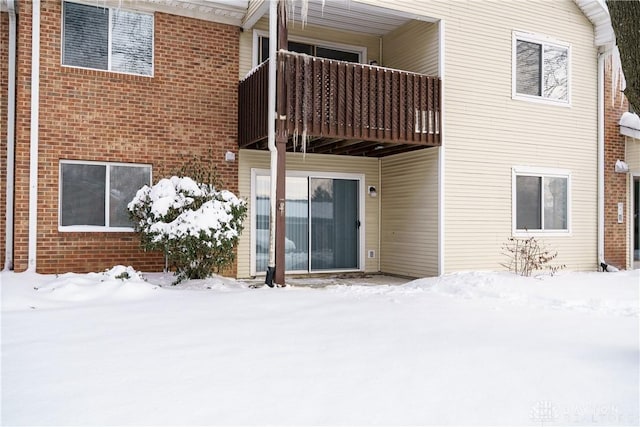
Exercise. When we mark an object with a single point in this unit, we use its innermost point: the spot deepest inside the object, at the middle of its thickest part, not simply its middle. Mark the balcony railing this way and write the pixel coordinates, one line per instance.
(342, 101)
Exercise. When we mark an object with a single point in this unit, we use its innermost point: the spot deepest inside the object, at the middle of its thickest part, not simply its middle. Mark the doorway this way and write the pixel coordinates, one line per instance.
(636, 222)
(322, 222)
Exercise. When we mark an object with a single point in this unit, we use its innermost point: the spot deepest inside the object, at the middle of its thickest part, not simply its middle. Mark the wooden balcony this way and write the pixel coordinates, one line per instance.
(344, 108)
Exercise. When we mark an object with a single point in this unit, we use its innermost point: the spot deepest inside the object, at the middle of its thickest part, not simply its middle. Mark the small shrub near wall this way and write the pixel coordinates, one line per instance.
(526, 255)
(195, 225)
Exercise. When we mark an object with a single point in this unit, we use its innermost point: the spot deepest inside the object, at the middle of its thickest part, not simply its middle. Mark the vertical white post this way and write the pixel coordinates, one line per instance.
(33, 149)
(11, 126)
(441, 151)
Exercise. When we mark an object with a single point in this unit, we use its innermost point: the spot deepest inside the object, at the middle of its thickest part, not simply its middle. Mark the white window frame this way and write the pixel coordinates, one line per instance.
(110, 9)
(540, 173)
(543, 41)
(309, 174)
(360, 50)
(96, 228)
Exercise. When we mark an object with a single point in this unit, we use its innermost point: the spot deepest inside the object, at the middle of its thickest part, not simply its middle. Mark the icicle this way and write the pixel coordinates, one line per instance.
(304, 11)
(304, 142)
(295, 139)
(618, 82)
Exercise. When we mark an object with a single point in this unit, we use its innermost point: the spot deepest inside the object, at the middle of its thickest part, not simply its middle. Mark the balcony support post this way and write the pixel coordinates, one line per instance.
(281, 144)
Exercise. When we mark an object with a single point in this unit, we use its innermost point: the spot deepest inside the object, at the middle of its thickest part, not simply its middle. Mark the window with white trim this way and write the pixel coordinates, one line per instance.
(110, 39)
(541, 200)
(541, 69)
(94, 195)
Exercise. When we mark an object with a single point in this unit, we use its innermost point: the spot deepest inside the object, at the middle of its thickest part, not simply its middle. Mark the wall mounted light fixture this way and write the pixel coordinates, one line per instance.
(372, 191)
(621, 167)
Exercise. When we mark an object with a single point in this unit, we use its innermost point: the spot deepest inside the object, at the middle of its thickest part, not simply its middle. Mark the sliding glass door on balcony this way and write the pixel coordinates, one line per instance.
(322, 223)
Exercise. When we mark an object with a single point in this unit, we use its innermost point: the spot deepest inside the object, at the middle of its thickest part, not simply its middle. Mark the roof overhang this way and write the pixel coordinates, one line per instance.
(630, 125)
(596, 11)
(345, 15)
(230, 12)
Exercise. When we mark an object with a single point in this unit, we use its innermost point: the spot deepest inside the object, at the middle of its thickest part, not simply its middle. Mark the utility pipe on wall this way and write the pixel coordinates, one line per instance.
(11, 129)
(34, 138)
(601, 59)
(271, 121)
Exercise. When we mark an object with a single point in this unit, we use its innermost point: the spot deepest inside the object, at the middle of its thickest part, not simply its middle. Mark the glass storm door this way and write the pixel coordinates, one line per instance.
(334, 224)
(322, 224)
(636, 222)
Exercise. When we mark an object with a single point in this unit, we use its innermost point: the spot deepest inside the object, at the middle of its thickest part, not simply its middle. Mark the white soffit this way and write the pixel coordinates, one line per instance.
(346, 15)
(596, 11)
(224, 11)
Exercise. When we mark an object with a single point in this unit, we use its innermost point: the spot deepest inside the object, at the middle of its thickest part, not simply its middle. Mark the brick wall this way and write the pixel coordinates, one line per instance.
(189, 108)
(615, 235)
(4, 59)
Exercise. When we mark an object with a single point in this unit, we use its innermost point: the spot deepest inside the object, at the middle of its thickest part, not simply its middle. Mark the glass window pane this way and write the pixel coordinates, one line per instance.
(262, 213)
(132, 42)
(296, 224)
(556, 60)
(528, 67)
(86, 32)
(83, 194)
(264, 49)
(300, 48)
(125, 181)
(555, 203)
(340, 55)
(528, 200)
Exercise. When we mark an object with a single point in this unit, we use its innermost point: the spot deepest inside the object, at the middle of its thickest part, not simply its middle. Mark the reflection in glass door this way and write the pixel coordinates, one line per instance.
(296, 224)
(322, 224)
(636, 222)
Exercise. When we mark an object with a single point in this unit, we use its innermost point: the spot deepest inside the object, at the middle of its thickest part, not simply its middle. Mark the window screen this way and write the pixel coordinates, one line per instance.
(86, 36)
(107, 39)
(528, 203)
(95, 194)
(83, 194)
(542, 70)
(528, 68)
(542, 203)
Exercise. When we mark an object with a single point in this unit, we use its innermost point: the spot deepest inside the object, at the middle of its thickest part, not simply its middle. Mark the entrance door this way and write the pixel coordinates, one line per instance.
(334, 224)
(322, 223)
(636, 222)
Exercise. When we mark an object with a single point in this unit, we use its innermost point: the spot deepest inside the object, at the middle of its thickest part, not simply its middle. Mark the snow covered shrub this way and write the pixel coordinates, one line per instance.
(526, 255)
(195, 225)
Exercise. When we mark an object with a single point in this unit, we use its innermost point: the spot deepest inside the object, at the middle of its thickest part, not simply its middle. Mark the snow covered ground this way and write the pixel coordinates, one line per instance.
(463, 349)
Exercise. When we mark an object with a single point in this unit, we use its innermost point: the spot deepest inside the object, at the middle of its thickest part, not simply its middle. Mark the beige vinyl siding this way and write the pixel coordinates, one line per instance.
(409, 214)
(412, 47)
(253, 6)
(319, 34)
(487, 133)
(246, 53)
(632, 155)
(254, 159)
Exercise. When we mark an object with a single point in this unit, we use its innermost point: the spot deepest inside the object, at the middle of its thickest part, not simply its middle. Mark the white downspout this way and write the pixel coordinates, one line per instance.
(601, 60)
(441, 152)
(11, 132)
(33, 149)
(271, 129)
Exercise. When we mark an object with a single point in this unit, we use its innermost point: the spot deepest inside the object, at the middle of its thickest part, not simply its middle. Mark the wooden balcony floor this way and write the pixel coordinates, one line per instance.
(343, 147)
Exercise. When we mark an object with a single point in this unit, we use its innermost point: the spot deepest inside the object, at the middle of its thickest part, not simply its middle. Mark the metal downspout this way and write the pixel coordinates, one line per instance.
(11, 131)
(34, 137)
(601, 59)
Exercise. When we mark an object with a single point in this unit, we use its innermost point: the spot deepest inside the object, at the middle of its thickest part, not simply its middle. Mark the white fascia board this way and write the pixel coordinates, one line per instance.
(224, 12)
(596, 11)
